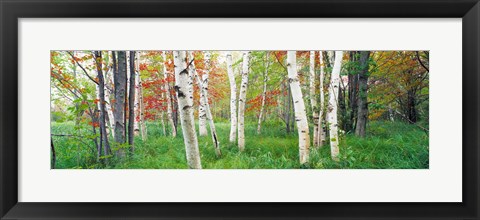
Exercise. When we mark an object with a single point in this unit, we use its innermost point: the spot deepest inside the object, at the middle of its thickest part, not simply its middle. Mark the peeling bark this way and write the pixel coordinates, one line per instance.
(333, 105)
(321, 131)
(313, 100)
(242, 101)
(299, 108)
(233, 99)
(208, 113)
(141, 107)
(184, 90)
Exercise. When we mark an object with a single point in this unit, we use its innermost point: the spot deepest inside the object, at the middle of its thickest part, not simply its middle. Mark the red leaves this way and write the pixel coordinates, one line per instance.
(255, 104)
(143, 66)
(95, 124)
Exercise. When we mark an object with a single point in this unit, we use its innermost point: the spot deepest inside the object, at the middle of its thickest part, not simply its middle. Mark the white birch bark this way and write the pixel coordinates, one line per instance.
(209, 117)
(143, 127)
(242, 101)
(321, 132)
(169, 99)
(184, 89)
(313, 100)
(202, 111)
(333, 105)
(108, 105)
(299, 107)
(264, 95)
(233, 98)
(136, 126)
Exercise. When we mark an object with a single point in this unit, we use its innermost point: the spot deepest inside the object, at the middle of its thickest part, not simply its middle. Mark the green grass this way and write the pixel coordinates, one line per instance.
(387, 146)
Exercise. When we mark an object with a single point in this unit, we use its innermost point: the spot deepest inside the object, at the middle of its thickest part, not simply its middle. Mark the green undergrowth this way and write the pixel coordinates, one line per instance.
(388, 145)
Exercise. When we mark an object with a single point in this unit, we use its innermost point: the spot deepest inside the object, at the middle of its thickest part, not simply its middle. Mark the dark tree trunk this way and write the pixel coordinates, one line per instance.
(345, 123)
(54, 157)
(101, 92)
(131, 102)
(411, 107)
(353, 91)
(287, 109)
(363, 95)
(120, 81)
(175, 111)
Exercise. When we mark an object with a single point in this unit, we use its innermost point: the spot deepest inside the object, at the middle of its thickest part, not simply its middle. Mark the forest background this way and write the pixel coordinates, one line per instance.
(242, 109)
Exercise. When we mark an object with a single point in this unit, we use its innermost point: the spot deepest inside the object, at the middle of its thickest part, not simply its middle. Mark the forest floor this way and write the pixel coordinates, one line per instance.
(388, 145)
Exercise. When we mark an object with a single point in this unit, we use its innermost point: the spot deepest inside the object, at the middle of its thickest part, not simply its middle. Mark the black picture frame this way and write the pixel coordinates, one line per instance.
(12, 10)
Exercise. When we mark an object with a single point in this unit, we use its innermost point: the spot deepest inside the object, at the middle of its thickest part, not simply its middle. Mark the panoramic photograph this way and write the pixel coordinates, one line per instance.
(239, 109)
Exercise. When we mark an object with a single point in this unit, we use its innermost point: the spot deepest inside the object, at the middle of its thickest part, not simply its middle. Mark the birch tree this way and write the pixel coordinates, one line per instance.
(139, 98)
(333, 105)
(233, 98)
(202, 111)
(313, 100)
(184, 90)
(203, 95)
(299, 107)
(169, 99)
(264, 94)
(321, 133)
(242, 101)
(108, 102)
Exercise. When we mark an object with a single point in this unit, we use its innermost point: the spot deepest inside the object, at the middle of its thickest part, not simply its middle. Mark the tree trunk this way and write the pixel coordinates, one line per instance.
(209, 117)
(133, 65)
(350, 122)
(332, 105)
(299, 107)
(169, 99)
(202, 111)
(101, 89)
(344, 121)
(120, 81)
(233, 99)
(287, 109)
(141, 111)
(360, 128)
(203, 95)
(131, 103)
(184, 90)
(108, 102)
(321, 133)
(53, 157)
(242, 99)
(411, 107)
(313, 101)
(264, 94)
(125, 112)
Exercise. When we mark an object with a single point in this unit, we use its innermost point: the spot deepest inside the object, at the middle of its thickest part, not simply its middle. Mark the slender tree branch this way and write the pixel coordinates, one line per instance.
(420, 61)
(84, 71)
